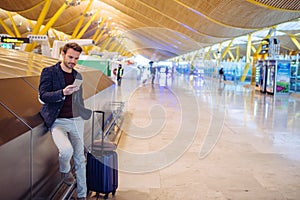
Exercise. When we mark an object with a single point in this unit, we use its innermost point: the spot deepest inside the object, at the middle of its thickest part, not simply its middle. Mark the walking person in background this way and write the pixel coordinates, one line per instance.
(221, 74)
(120, 71)
(145, 75)
(152, 72)
(63, 112)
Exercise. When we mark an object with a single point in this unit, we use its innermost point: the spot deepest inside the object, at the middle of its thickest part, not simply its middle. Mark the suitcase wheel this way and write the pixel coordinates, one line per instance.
(113, 192)
(106, 196)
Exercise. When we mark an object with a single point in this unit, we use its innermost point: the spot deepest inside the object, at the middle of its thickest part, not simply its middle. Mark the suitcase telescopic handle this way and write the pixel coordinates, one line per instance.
(93, 126)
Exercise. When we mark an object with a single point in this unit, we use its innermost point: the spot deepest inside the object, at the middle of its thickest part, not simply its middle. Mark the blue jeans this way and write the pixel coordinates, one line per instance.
(67, 134)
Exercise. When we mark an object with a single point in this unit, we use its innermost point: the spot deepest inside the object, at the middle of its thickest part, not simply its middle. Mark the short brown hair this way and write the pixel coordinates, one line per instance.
(73, 46)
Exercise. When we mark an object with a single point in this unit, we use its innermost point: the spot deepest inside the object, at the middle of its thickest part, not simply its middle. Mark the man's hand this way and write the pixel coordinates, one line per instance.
(70, 89)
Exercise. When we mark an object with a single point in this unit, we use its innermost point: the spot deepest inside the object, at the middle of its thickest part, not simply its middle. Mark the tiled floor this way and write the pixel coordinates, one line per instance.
(195, 139)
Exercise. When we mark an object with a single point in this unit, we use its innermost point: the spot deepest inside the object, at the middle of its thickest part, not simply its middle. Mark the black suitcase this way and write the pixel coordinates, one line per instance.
(102, 167)
(102, 172)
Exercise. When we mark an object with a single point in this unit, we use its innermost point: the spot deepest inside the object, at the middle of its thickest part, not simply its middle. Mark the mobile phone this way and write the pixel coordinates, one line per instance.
(78, 82)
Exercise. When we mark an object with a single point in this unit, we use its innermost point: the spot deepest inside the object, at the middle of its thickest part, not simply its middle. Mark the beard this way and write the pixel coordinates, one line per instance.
(69, 65)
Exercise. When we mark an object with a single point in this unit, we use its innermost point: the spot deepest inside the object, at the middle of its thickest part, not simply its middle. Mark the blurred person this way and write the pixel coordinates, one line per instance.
(221, 74)
(152, 72)
(120, 71)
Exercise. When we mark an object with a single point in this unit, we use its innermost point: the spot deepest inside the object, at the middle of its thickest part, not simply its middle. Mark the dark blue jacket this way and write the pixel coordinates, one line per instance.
(51, 87)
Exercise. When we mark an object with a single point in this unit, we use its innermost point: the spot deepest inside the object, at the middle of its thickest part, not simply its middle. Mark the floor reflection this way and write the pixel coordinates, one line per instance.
(279, 112)
(250, 141)
(273, 118)
(255, 112)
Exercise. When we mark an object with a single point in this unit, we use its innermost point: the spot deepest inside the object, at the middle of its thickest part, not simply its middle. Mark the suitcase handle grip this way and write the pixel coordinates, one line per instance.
(93, 126)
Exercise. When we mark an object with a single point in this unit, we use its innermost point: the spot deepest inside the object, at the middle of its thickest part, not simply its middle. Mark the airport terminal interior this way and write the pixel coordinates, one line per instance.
(208, 107)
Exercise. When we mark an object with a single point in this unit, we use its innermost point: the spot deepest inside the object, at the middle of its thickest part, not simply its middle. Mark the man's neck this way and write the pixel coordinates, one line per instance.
(65, 68)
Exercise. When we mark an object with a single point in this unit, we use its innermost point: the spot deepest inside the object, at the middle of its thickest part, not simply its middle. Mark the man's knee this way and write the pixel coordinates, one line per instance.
(66, 153)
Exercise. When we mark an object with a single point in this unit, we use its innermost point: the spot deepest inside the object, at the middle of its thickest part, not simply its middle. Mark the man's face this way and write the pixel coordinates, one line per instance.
(70, 58)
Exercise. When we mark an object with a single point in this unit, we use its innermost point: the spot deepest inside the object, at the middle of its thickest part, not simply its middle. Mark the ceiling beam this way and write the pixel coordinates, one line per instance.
(14, 24)
(74, 34)
(6, 28)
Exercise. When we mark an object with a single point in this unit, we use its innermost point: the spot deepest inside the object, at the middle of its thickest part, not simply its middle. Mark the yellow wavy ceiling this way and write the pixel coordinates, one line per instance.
(165, 28)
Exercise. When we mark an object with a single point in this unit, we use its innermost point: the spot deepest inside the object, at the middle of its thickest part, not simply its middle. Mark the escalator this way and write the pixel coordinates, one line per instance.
(28, 157)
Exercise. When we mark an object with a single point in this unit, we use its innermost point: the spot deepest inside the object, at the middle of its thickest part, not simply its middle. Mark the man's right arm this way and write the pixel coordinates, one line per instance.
(47, 92)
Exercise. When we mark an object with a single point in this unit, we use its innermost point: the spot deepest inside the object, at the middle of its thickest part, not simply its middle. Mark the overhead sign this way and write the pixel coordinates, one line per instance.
(38, 37)
(15, 40)
(264, 46)
(7, 45)
(4, 35)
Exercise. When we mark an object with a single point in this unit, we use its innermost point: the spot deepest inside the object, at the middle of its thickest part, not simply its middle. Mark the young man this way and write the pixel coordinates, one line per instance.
(63, 112)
